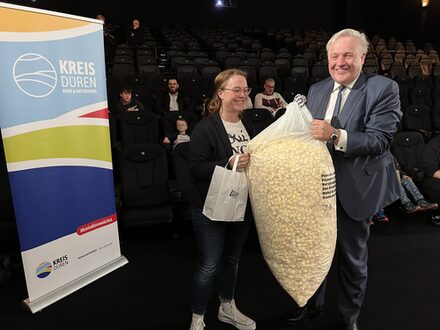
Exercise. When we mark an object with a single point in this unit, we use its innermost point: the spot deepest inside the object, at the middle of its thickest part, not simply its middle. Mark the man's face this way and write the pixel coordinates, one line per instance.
(269, 87)
(345, 60)
(126, 96)
(173, 86)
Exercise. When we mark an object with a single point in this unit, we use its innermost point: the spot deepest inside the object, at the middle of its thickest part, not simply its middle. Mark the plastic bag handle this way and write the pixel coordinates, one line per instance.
(234, 166)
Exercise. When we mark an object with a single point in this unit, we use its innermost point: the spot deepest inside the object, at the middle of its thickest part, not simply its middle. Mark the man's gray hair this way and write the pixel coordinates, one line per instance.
(349, 33)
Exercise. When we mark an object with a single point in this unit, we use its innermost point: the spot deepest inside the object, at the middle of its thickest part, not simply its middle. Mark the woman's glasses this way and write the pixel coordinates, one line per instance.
(237, 90)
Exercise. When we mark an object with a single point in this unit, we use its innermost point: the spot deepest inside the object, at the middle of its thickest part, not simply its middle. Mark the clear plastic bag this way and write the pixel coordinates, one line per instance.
(292, 190)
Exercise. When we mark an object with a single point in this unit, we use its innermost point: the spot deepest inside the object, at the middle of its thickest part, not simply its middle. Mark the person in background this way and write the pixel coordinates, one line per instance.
(127, 102)
(135, 34)
(431, 167)
(249, 104)
(214, 143)
(408, 185)
(110, 41)
(357, 114)
(172, 99)
(269, 99)
(180, 136)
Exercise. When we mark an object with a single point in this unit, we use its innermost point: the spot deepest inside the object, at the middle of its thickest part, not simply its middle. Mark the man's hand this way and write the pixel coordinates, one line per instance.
(321, 130)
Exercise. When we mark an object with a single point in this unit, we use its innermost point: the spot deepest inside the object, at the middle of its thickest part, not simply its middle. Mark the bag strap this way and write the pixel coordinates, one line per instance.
(234, 166)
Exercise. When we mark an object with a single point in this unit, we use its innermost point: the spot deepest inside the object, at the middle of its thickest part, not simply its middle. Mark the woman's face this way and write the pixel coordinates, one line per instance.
(234, 94)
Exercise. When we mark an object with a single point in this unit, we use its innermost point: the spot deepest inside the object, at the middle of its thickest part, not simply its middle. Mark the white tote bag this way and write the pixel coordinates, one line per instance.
(227, 195)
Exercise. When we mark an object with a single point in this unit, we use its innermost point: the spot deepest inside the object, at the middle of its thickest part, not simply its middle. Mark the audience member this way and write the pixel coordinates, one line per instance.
(407, 184)
(219, 243)
(172, 99)
(128, 103)
(357, 113)
(180, 136)
(269, 99)
(249, 104)
(110, 40)
(431, 167)
(135, 34)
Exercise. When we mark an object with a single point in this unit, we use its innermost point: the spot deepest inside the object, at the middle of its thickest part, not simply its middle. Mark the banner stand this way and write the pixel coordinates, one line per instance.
(38, 304)
(54, 121)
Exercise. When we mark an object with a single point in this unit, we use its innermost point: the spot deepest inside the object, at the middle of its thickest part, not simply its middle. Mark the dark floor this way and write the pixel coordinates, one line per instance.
(153, 291)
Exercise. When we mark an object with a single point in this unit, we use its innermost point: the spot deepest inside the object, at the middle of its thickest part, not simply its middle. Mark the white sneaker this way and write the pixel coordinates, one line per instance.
(197, 322)
(229, 313)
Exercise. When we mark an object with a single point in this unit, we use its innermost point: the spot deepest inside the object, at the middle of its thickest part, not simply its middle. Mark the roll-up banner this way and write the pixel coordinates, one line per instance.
(55, 130)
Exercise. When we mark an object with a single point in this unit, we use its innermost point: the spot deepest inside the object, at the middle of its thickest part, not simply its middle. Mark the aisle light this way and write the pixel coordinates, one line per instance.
(425, 3)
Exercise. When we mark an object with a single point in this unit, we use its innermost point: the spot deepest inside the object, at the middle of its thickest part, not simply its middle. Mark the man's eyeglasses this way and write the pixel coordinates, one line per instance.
(237, 90)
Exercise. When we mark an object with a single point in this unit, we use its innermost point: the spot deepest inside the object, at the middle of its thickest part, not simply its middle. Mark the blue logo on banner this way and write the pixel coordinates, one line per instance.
(43, 269)
(35, 75)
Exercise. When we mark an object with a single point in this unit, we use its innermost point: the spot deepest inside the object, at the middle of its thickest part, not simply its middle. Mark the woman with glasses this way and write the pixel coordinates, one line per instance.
(217, 140)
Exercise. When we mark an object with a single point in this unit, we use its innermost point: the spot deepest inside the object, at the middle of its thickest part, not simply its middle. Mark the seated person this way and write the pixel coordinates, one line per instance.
(180, 136)
(172, 99)
(249, 104)
(127, 103)
(407, 184)
(269, 99)
(431, 168)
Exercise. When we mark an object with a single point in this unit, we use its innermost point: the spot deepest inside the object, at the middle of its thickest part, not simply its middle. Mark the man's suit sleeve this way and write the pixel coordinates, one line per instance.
(381, 118)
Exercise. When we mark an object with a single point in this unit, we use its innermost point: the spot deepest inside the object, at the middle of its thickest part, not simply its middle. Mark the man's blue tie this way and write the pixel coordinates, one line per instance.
(338, 101)
(334, 120)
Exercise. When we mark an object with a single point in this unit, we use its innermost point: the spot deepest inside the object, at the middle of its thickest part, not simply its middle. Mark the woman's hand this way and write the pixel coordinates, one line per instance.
(243, 161)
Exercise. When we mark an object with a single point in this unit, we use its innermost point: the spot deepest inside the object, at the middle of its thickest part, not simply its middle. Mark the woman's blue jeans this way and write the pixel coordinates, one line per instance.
(220, 245)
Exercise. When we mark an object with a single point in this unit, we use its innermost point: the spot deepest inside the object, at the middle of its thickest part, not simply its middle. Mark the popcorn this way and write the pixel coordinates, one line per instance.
(292, 188)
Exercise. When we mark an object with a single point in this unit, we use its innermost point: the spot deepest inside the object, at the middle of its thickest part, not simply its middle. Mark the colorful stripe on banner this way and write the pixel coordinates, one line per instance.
(17, 20)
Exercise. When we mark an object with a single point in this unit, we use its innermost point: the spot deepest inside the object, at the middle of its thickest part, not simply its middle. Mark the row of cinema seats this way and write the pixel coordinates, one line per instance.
(408, 149)
(152, 181)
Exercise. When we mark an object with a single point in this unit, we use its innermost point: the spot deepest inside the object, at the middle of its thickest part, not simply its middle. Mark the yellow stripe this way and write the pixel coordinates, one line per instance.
(14, 20)
(90, 142)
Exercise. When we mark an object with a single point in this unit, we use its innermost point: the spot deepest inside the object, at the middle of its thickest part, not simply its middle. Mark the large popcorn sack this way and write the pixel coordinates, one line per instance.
(293, 194)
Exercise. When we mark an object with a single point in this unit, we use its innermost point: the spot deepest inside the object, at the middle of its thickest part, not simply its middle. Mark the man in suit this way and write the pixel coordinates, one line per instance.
(356, 114)
(173, 99)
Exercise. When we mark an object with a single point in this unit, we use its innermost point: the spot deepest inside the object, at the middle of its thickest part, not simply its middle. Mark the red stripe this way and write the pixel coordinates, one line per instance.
(97, 114)
(85, 228)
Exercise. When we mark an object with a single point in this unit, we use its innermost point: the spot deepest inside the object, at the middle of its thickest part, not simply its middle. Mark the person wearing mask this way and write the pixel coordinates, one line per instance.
(217, 140)
(357, 115)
